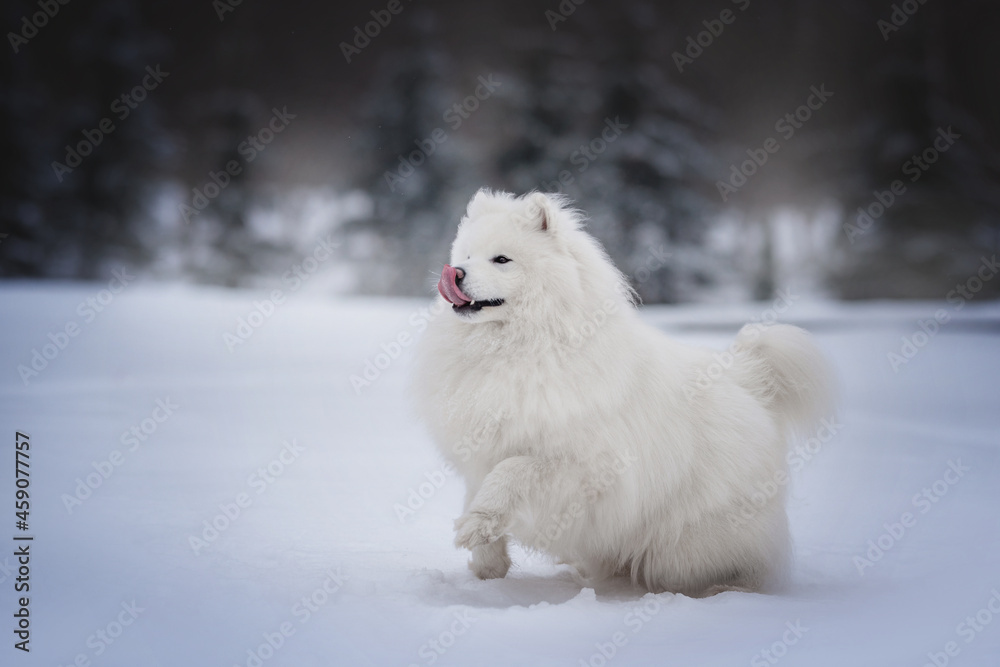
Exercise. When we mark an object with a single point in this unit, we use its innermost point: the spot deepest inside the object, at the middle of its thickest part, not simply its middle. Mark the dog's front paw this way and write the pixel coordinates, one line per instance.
(475, 528)
(490, 561)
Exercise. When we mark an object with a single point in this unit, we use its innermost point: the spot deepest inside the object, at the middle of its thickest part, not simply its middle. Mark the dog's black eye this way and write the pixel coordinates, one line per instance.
(500, 259)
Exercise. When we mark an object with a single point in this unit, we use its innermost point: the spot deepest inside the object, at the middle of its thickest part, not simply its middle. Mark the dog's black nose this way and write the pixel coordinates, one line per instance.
(459, 274)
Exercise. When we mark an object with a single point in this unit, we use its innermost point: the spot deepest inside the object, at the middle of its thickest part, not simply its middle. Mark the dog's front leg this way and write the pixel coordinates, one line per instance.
(503, 490)
(489, 561)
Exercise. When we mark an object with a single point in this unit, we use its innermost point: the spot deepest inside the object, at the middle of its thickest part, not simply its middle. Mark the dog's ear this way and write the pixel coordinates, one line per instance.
(479, 202)
(539, 211)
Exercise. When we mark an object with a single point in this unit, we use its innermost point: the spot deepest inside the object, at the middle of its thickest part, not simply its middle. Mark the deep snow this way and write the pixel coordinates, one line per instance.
(319, 549)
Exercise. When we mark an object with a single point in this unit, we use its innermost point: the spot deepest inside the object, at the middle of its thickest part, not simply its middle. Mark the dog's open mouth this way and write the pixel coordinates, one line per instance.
(459, 300)
(474, 306)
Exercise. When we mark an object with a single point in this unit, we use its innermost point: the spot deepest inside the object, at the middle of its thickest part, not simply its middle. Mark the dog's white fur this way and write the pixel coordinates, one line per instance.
(587, 434)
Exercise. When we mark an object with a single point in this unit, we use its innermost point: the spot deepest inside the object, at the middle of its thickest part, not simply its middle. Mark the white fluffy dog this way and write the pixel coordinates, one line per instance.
(587, 434)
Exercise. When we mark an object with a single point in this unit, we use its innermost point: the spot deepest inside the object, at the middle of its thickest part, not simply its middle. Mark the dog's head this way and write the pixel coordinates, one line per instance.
(517, 257)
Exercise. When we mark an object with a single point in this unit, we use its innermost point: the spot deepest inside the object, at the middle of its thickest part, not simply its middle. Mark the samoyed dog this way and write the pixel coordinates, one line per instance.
(584, 433)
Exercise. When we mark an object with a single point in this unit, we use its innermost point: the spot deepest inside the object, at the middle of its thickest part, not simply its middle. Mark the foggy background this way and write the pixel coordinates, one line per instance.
(638, 111)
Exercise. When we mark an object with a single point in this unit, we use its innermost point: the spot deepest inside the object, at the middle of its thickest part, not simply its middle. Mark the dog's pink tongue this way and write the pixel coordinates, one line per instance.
(449, 288)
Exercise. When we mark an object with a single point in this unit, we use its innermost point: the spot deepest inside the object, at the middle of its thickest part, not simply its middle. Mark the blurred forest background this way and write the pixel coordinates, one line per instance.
(637, 110)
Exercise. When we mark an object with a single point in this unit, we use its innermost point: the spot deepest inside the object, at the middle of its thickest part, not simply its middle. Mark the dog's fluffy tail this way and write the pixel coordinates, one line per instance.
(782, 366)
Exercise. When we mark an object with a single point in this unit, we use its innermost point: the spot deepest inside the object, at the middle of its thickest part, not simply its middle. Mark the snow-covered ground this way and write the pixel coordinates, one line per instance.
(146, 429)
